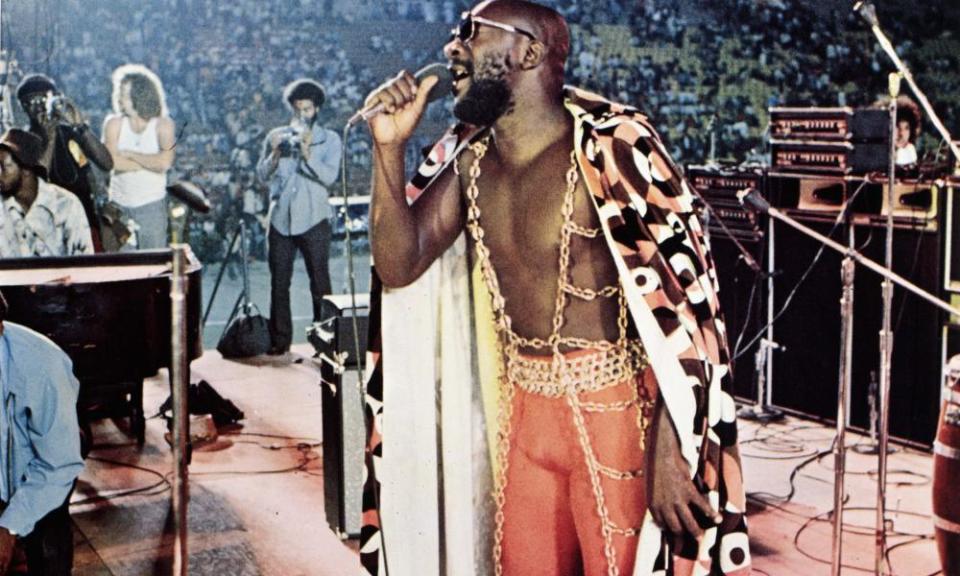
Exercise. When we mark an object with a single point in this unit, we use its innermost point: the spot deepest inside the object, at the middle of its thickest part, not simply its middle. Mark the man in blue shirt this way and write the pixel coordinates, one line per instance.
(299, 161)
(39, 449)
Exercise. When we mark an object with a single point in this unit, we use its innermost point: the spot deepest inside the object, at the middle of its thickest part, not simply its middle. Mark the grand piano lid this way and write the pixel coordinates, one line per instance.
(90, 268)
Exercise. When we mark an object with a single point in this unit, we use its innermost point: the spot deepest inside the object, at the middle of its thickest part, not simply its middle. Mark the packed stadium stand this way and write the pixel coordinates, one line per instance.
(692, 66)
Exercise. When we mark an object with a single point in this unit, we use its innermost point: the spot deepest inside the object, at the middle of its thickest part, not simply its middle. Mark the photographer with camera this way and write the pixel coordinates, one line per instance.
(69, 145)
(299, 162)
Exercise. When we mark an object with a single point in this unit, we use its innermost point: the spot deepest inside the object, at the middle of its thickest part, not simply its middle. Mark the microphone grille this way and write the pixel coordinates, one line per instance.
(444, 80)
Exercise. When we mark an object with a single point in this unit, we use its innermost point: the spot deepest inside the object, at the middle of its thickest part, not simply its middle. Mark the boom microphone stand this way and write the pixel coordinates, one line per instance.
(763, 411)
(752, 200)
(868, 11)
(886, 343)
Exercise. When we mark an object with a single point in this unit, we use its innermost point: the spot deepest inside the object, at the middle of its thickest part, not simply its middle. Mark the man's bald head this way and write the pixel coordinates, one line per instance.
(545, 23)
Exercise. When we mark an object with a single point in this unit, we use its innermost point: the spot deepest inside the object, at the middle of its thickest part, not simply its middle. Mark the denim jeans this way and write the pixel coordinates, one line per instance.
(153, 221)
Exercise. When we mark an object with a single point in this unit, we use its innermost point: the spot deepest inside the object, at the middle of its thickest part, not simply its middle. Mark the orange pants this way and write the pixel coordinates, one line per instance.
(551, 522)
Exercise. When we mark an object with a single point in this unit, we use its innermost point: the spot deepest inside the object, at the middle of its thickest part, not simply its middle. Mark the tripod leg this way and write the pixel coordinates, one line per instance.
(223, 268)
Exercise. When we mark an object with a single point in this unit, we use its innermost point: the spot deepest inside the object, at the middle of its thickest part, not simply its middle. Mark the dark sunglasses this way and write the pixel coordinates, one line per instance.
(467, 29)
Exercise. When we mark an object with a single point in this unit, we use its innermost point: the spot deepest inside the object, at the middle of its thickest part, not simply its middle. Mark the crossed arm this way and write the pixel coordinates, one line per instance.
(128, 161)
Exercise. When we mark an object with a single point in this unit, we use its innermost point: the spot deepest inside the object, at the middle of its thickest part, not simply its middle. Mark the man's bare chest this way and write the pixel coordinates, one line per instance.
(523, 214)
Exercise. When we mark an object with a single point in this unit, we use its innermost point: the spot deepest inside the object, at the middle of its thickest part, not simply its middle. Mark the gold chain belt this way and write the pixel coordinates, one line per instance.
(557, 376)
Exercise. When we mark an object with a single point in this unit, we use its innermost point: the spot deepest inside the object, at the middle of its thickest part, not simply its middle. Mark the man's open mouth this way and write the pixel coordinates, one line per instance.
(460, 73)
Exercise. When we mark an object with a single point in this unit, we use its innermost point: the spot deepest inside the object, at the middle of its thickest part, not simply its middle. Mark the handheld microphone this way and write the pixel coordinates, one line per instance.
(753, 201)
(190, 194)
(441, 88)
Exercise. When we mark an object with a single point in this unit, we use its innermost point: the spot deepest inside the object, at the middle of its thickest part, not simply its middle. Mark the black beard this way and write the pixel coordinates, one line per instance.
(488, 97)
(11, 191)
(484, 103)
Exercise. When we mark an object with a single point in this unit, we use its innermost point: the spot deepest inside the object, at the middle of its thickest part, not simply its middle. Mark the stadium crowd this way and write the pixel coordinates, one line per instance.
(705, 74)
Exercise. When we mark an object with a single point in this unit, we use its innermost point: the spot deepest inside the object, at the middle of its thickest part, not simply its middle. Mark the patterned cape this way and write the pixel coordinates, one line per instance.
(656, 240)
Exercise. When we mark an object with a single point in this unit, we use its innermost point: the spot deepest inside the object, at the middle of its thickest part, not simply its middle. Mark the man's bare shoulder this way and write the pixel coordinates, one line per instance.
(165, 123)
(112, 121)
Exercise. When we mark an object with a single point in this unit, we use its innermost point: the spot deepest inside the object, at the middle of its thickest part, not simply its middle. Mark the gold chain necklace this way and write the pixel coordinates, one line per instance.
(511, 343)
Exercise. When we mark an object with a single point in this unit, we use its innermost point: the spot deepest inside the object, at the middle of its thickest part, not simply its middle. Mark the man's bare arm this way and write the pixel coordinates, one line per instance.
(674, 500)
(162, 160)
(92, 147)
(111, 138)
(406, 238)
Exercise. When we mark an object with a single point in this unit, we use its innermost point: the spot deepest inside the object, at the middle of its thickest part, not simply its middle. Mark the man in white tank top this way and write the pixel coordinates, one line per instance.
(140, 136)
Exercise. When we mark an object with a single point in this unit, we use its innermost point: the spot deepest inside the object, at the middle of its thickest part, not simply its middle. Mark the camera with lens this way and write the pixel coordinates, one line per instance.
(55, 105)
(290, 139)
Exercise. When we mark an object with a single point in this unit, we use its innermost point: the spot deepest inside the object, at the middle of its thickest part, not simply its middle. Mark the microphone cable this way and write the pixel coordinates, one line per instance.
(793, 292)
(361, 380)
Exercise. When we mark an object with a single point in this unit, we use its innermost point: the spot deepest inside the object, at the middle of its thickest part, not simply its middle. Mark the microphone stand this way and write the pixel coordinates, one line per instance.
(361, 376)
(868, 12)
(751, 199)
(763, 411)
(179, 379)
(847, 273)
(886, 344)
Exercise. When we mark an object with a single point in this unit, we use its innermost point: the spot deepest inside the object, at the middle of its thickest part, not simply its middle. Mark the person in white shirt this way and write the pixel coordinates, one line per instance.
(36, 218)
(141, 136)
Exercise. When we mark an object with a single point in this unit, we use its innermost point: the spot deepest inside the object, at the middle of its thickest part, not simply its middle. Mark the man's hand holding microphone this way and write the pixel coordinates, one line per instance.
(402, 102)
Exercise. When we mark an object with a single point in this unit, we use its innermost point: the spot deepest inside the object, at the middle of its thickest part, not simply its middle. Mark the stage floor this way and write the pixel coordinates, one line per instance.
(257, 505)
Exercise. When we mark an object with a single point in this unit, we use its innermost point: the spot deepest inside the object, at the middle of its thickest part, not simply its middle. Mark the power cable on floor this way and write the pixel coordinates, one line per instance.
(861, 530)
(763, 496)
(305, 459)
(803, 277)
(150, 490)
(778, 441)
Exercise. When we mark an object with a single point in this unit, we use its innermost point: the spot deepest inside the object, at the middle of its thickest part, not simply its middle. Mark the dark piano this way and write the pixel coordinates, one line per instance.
(111, 314)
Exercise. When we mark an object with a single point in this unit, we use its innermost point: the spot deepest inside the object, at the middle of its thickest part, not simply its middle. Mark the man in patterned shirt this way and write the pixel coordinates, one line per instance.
(36, 218)
(582, 308)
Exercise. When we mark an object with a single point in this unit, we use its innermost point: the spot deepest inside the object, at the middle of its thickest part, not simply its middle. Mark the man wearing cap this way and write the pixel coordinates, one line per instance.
(68, 144)
(39, 449)
(299, 161)
(37, 218)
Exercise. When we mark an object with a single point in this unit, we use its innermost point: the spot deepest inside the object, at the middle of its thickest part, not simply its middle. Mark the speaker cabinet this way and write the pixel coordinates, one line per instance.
(339, 307)
(743, 300)
(806, 374)
(952, 238)
(344, 433)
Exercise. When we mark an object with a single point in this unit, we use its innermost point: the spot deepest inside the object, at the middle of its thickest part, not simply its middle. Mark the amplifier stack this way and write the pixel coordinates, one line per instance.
(815, 191)
(719, 187)
(829, 140)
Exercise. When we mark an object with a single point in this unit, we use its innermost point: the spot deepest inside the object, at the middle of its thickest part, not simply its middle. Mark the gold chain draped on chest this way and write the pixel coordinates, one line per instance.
(608, 364)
